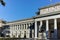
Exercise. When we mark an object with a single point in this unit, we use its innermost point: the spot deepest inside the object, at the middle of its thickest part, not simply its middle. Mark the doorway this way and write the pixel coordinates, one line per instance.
(58, 28)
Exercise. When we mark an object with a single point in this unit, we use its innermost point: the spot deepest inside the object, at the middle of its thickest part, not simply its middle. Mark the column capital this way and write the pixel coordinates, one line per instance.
(55, 18)
(47, 19)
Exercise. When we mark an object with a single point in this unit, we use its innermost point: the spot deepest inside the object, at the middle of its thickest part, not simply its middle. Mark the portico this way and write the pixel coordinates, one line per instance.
(51, 23)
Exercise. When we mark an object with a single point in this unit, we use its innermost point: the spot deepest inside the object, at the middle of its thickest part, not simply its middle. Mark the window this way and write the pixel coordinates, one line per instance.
(25, 26)
(18, 27)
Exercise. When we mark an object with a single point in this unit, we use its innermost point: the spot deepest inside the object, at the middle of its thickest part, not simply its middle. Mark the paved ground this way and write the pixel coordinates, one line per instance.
(34, 39)
(25, 39)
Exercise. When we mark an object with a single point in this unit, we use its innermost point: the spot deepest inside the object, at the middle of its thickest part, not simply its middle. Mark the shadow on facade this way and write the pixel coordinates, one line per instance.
(31, 28)
(4, 30)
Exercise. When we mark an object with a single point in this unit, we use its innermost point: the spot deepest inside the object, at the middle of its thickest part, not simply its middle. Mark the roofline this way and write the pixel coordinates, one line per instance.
(51, 5)
(21, 20)
(38, 16)
(34, 17)
(46, 15)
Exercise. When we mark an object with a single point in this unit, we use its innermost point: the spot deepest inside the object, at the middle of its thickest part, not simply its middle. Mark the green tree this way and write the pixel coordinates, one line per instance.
(2, 2)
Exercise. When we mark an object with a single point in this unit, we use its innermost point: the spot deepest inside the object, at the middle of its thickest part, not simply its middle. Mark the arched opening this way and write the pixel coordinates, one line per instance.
(24, 34)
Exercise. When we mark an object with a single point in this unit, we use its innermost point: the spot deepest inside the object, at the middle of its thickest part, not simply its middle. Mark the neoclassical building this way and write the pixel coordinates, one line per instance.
(46, 24)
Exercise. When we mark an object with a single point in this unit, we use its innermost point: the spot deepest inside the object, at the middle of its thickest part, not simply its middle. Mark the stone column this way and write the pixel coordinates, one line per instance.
(40, 25)
(10, 31)
(26, 25)
(13, 27)
(17, 27)
(17, 35)
(21, 26)
(47, 29)
(35, 29)
(29, 24)
(55, 28)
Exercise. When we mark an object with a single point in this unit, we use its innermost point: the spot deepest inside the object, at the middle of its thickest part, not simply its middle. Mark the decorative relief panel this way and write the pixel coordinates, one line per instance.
(50, 9)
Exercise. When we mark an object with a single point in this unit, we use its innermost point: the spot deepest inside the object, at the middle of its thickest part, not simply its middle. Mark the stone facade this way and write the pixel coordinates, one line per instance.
(21, 29)
(42, 26)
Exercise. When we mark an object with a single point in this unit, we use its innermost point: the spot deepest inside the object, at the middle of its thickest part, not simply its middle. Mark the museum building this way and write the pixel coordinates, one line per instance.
(46, 24)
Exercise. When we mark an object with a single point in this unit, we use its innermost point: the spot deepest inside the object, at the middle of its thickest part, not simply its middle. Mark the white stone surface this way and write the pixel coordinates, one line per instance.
(50, 9)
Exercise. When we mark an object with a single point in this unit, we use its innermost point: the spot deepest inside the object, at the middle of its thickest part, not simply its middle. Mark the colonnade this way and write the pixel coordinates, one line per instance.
(47, 27)
(20, 28)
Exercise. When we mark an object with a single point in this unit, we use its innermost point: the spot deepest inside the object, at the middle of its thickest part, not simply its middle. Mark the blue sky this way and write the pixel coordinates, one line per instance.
(21, 9)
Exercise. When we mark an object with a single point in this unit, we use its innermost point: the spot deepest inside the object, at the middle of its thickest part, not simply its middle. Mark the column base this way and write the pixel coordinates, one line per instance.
(35, 37)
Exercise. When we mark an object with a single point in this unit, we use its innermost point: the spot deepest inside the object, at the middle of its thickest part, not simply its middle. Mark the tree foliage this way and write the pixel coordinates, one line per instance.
(2, 2)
